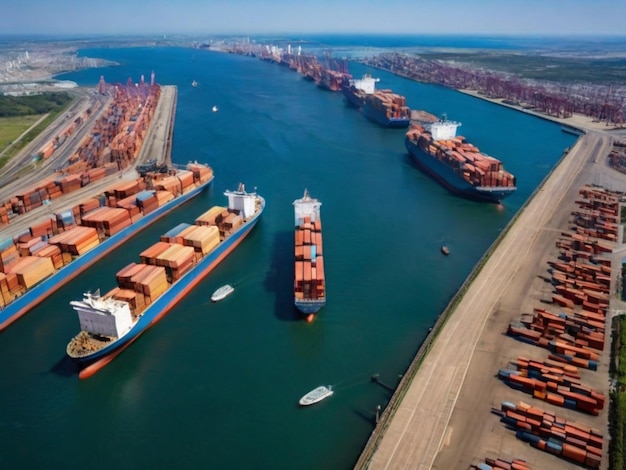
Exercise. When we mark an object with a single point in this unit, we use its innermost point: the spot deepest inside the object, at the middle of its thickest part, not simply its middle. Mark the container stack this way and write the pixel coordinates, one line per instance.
(544, 430)
(569, 335)
(203, 239)
(213, 216)
(146, 201)
(392, 104)
(226, 220)
(30, 270)
(166, 261)
(177, 260)
(149, 255)
(554, 384)
(108, 220)
(76, 241)
(173, 235)
(501, 464)
(169, 183)
(309, 261)
(73, 232)
(573, 330)
(201, 173)
(147, 281)
(463, 158)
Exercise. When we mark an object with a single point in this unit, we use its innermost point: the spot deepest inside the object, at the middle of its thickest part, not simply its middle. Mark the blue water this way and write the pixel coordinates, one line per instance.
(217, 385)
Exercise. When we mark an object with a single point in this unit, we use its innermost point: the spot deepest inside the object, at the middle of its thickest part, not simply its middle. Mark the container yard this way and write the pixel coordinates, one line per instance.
(112, 143)
(87, 204)
(527, 339)
(33, 196)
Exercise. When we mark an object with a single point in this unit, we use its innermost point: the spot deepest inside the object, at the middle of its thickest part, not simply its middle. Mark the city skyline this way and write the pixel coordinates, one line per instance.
(116, 17)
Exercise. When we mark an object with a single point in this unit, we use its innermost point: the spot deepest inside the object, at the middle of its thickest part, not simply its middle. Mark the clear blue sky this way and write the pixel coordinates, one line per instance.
(535, 17)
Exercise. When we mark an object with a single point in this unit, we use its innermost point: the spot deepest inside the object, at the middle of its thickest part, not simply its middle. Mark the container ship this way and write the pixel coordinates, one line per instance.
(53, 252)
(167, 271)
(457, 164)
(386, 108)
(309, 284)
(356, 90)
(332, 80)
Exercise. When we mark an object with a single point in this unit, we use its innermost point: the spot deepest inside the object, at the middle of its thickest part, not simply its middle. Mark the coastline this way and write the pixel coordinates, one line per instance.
(432, 419)
(496, 102)
(577, 121)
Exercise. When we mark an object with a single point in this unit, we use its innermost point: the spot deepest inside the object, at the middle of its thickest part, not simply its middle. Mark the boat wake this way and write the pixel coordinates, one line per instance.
(351, 382)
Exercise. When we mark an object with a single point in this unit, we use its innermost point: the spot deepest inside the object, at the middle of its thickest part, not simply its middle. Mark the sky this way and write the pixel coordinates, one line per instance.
(214, 17)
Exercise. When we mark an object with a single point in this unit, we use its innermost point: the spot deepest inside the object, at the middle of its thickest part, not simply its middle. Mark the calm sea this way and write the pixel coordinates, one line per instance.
(217, 385)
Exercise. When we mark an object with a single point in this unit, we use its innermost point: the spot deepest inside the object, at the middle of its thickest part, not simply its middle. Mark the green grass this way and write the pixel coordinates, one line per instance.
(16, 148)
(11, 128)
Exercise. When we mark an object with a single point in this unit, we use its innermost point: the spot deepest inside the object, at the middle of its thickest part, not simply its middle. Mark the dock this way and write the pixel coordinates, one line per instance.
(440, 415)
(157, 145)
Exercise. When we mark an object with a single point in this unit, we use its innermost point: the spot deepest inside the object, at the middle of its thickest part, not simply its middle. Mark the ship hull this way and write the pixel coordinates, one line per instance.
(169, 299)
(41, 291)
(381, 119)
(451, 181)
(353, 98)
(308, 307)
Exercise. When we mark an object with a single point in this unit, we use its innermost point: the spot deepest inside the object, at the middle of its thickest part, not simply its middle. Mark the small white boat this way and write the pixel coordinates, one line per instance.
(222, 293)
(215, 109)
(194, 84)
(316, 395)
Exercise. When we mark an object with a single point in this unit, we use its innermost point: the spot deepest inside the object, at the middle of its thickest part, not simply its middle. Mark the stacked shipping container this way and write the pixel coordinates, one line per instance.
(501, 464)
(557, 385)
(544, 430)
(55, 242)
(309, 261)
(114, 142)
(389, 104)
(166, 261)
(463, 158)
(574, 333)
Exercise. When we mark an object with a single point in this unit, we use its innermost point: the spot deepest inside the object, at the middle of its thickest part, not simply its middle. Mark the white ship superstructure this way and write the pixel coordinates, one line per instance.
(366, 83)
(306, 206)
(103, 317)
(443, 130)
(242, 201)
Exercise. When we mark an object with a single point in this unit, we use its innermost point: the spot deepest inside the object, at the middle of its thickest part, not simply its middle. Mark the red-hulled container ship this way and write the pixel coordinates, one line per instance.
(56, 250)
(309, 283)
(167, 271)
